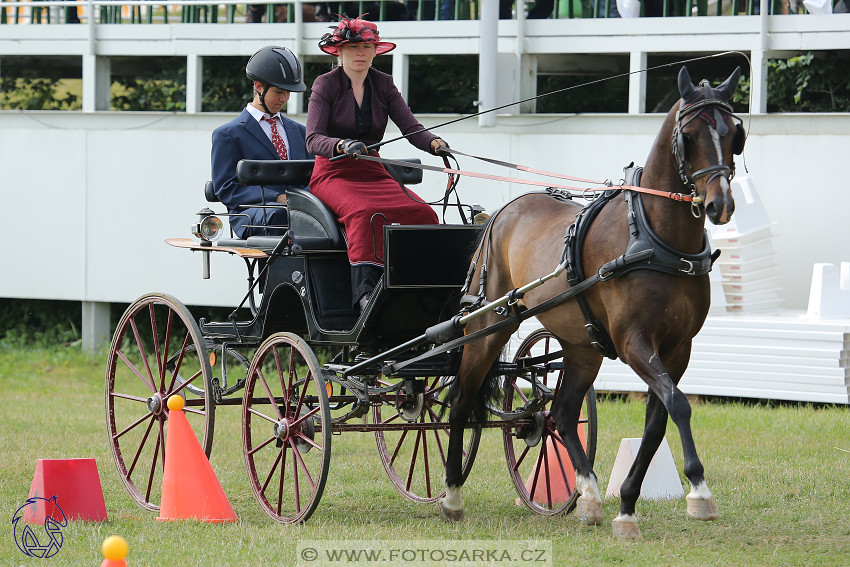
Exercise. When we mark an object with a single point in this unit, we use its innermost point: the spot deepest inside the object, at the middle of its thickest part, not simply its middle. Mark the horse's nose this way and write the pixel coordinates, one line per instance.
(719, 210)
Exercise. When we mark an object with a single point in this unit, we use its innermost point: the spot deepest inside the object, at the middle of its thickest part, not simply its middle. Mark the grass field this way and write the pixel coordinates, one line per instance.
(780, 475)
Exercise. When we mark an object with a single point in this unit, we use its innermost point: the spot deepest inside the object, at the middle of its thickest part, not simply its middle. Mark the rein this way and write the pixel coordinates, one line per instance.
(587, 192)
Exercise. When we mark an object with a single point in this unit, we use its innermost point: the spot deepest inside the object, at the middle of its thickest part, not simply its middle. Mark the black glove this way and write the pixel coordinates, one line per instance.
(352, 148)
(438, 145)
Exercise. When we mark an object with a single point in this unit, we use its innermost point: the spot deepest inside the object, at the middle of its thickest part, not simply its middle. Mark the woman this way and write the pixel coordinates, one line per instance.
(349, 109)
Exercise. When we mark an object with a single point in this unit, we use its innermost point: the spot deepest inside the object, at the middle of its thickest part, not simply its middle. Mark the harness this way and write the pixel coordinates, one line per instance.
(663, 258)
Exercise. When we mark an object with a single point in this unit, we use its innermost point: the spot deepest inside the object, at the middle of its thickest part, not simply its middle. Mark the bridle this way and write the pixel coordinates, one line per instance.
(693, 111)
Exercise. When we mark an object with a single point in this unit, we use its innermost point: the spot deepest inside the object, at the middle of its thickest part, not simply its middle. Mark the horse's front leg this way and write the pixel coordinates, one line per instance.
(647, 364)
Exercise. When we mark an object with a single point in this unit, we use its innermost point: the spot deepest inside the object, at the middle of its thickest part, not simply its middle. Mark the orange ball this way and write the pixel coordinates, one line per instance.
(175, 403)
(114, 548)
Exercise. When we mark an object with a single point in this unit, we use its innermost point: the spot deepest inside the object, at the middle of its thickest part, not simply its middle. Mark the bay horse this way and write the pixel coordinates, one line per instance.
(647, 316)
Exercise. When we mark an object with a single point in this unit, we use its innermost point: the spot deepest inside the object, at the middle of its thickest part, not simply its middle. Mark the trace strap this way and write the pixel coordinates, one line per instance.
(582, 190)
(605, 272)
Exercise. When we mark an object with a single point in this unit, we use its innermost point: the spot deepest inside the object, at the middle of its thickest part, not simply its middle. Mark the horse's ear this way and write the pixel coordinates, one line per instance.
(727, 89)
(687, 90)
(739, 140)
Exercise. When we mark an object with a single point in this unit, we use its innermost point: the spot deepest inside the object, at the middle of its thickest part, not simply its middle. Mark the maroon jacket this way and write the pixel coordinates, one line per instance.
(330, 113)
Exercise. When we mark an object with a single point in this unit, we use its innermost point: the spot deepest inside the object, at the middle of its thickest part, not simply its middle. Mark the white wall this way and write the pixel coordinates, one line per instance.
(88, 198)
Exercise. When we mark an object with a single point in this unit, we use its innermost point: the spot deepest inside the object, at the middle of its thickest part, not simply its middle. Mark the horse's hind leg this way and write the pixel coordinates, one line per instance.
(578, 376)
(477, 359)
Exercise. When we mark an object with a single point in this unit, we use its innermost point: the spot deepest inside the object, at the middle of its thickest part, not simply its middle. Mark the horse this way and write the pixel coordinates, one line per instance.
(647, 316)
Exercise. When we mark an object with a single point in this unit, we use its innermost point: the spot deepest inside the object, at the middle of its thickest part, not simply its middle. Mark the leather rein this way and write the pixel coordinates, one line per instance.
(587, 192)
(689, 111)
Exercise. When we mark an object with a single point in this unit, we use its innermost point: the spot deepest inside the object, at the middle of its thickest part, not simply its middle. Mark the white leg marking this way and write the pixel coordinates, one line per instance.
(588, 488)
(453, 499)
(589, 505)
(700, 491)
(451, 505)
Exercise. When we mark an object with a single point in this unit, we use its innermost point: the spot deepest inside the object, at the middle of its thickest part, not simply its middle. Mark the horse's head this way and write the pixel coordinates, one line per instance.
(706, 137)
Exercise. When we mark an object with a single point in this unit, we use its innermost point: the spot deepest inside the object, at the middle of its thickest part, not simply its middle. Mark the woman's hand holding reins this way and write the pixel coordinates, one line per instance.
(351, 148)
(438, 145)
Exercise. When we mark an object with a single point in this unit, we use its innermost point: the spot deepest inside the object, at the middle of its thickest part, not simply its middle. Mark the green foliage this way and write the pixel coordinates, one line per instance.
(440, 84)
(809, 83)
(610, 96)
(159, 85)
(32, 89)
(225, 86)
(35, 323)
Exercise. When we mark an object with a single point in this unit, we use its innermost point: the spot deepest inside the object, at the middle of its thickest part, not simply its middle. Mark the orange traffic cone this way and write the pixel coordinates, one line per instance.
(190, 489)
(562, 481)
(114, 550)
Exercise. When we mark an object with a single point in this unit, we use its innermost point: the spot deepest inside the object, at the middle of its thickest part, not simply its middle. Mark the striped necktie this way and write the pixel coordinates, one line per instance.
(276, 139)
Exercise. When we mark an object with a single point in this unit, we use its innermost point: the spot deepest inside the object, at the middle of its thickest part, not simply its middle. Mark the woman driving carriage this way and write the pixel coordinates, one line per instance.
(348, 110)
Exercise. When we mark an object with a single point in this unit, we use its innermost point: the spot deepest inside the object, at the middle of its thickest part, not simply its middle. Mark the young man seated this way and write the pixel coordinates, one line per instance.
(260, 132)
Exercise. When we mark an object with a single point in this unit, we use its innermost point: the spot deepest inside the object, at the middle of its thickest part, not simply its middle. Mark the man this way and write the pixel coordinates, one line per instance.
(259, 132)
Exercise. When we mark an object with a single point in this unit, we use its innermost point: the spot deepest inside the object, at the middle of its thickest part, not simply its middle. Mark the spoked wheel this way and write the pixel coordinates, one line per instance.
(539, 465)
(414, 442)
(156, 352)
(286, 445)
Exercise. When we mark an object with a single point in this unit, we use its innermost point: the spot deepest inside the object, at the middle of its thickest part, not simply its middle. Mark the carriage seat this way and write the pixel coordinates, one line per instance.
(312, 223)
(313, 226)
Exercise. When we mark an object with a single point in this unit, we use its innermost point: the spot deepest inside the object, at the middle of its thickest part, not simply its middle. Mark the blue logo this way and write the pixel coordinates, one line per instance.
(45, 542)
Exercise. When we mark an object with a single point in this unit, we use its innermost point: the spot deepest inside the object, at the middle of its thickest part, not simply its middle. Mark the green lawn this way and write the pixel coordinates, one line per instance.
(780, 475)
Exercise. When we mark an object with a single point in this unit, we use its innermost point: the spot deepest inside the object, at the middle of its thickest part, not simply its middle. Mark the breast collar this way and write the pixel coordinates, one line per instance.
(641, 237)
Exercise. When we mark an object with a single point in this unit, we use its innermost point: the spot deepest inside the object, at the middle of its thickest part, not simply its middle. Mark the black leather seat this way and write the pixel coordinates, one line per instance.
(313, 225)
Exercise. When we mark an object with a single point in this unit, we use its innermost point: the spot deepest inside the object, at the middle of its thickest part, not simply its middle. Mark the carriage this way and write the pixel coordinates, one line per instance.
(304, 365)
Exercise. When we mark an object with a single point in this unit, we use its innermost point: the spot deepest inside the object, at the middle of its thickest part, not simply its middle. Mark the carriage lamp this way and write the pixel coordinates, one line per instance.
(478, 214)
(209, 227)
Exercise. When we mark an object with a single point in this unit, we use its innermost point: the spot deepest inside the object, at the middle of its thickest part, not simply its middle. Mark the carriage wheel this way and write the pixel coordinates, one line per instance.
(287, 449)
(415, 459)
(156, 352)
(539, 465)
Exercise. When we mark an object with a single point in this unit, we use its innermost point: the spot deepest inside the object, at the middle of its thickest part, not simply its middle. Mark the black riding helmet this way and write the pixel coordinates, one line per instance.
(277, 67)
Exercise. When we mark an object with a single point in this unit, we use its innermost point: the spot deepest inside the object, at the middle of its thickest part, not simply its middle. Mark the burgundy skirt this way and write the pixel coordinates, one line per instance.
(365, 197)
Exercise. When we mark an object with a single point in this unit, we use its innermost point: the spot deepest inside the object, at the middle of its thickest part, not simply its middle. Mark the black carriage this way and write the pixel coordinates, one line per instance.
(304, 364)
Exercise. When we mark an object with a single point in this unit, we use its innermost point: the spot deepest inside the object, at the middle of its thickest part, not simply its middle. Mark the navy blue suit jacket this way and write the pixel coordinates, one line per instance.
(243, 138)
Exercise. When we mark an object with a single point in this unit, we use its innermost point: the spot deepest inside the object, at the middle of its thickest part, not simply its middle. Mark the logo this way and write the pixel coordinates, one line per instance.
(47, 541)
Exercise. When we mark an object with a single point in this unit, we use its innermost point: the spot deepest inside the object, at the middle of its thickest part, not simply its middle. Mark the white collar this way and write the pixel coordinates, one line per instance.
(259, 114)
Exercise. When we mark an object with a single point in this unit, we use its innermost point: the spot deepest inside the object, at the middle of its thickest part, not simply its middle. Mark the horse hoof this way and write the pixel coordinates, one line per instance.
(701, 508)
(625, 527)
(448, 514)
(589, 512)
